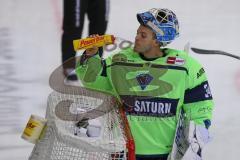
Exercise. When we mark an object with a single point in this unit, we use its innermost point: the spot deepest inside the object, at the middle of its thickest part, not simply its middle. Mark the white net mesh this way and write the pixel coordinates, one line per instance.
(63, 140)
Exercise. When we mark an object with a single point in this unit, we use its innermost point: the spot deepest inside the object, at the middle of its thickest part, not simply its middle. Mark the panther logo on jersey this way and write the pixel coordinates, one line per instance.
(144, 80)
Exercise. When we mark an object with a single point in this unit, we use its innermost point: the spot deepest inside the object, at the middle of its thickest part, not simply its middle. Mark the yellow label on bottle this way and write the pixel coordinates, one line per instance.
(34, 128)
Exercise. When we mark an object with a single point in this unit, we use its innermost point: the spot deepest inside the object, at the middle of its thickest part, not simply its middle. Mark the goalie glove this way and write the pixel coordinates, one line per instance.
(198, 137)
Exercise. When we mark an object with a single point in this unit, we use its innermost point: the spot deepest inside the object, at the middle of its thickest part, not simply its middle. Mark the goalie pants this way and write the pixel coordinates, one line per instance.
(73, 22)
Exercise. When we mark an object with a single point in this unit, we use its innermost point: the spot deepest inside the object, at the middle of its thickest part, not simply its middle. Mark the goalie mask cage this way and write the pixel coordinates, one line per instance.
(59, 140)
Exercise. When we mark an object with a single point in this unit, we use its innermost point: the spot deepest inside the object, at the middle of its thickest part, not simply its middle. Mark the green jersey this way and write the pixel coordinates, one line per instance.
(153, 92)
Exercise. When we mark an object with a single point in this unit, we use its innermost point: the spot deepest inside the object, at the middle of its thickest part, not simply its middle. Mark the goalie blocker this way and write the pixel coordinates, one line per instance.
(190, 139)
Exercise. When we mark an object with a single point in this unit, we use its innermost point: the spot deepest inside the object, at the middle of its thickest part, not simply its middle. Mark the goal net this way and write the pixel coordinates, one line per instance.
(86, 126)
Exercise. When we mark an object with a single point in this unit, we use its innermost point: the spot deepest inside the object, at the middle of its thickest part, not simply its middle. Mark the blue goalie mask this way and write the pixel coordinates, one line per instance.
(163, 22)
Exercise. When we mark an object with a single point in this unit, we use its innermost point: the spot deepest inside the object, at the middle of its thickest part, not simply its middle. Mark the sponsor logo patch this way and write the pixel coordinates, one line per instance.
(154, 107)
(200, 72)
